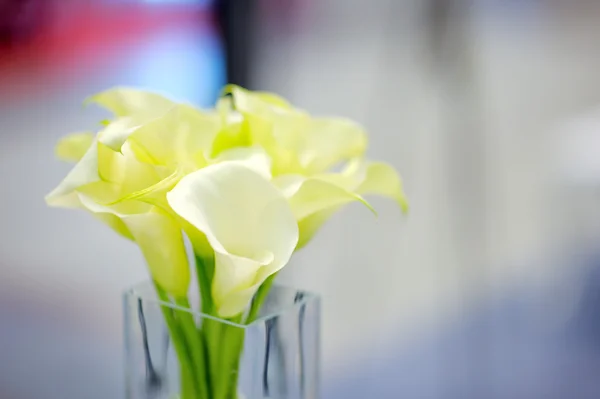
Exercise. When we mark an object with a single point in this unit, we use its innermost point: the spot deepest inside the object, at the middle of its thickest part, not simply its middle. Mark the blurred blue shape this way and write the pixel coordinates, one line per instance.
(189, 66)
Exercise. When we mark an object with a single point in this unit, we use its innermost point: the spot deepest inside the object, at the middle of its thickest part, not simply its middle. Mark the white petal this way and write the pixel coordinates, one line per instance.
(234, 281)
(246, 220)
(289, 184)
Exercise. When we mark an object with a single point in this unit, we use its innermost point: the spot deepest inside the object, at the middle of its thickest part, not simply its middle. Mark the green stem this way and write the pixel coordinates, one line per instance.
(196, 347)
(232, 347)
(259, 298)
(186, 368)
(204, 271)
(209, 330)
(222, 343)
(229, 344)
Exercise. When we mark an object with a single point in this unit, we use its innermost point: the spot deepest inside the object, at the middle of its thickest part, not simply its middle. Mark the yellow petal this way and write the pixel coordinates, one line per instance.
(310, 225)
(254, 101)
(161, 241)
(125, 171)
(314, 195)
(177, 136)
(117, 132)
(246, 220)
(158, 235)
(74, 146)
(115, 223)
(231, 136)
(83, 173)
(296, 142)
(330, 141)
(125, 101)
(382, 179)
(314, 200)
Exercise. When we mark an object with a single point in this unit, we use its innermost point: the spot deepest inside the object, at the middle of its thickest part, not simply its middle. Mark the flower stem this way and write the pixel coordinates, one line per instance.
(195, 346)
(189, 389)
(259, 298)
(205, 271)
(232, 347)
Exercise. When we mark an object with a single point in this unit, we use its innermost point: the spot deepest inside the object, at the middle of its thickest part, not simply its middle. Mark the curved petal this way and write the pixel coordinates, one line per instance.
(254, 158)
(125, 171)
(125, 101)
(230, 136)
(256, 102)
(117, 132)
(314, 195)
(246, 220)
(234, 282)
(315, 200)
(84, 172)
(177, 137)
(74, 146)
(382, 179)
(161, 241)
(157, 234)
(310, 225)
(330, 141)
(115, 223)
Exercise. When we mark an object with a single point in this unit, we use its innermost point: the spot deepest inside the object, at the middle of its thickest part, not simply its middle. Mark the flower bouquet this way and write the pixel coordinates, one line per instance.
(218, 200)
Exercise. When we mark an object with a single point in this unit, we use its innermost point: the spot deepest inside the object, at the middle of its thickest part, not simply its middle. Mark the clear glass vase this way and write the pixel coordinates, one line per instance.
(176, 352)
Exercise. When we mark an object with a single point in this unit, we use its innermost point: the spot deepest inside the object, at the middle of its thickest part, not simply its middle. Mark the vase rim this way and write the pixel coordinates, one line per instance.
(145, 291)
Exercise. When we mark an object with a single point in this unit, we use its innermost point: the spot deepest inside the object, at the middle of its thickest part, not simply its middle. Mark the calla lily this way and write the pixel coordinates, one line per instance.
(247, 222)
(248, 183)
(296, 142)
(157, 233)
(304, 149)
(123, 178)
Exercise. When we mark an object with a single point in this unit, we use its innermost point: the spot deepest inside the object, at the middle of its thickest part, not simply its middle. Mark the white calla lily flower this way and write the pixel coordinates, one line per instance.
(247, 222)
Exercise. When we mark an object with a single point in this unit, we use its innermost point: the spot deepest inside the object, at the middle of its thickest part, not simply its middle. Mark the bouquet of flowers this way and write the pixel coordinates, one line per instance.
(248, 182)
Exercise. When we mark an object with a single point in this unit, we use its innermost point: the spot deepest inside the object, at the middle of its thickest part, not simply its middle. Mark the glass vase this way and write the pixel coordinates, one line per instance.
(177, 352)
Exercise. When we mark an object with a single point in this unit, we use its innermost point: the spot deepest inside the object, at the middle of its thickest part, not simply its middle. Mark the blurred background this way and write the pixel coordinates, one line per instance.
(490, 109)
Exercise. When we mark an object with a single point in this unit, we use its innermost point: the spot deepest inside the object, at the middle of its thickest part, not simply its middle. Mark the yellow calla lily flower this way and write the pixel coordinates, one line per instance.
(304, 149)
(123, 178)
(156, 232)
(296, 142)
(247, 222)
(155, 146)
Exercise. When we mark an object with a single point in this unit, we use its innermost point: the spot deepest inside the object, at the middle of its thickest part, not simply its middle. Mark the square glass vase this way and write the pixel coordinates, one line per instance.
(177, 352)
